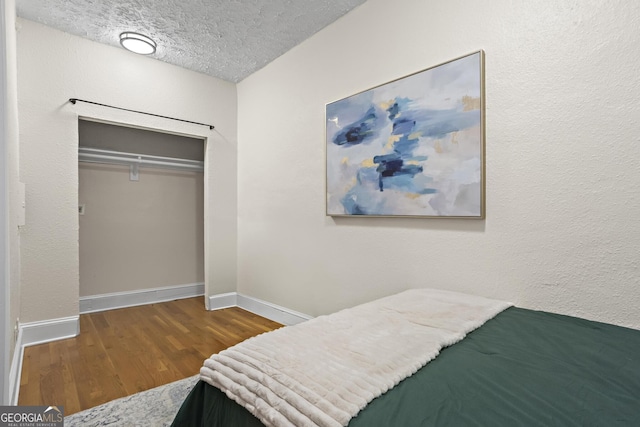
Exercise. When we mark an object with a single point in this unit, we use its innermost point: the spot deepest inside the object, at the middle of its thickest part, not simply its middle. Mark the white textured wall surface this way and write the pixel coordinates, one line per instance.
(55, 66)
(562, 231)
(139, 234)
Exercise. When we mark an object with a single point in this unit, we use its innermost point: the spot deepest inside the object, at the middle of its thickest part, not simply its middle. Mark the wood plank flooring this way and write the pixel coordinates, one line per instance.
(125, 351)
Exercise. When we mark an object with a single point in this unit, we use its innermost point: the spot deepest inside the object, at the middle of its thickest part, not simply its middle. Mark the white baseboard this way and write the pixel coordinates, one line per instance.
(33, 333)
(272, 311)
(16, 370)
(49, 330)
(262, 308)
(93, 303)
(217, 302)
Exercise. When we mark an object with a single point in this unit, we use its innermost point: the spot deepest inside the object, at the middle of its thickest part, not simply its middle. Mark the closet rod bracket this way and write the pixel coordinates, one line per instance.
(134, 172)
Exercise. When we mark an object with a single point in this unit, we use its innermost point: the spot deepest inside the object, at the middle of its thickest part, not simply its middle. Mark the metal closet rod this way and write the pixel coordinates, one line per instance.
(74, 100)
(94, 155)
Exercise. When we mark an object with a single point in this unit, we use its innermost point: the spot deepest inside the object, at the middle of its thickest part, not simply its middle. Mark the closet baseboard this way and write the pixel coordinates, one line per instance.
(94, 303)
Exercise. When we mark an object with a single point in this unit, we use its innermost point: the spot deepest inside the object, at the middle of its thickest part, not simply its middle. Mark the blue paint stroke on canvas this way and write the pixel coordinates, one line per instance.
(409, 147)
(360, 131)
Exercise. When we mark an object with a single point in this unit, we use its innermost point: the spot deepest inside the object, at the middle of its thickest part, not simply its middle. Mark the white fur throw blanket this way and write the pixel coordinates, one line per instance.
(324, 371)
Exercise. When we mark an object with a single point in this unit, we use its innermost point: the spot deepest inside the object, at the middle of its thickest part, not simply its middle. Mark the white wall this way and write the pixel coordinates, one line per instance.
(141, 234)
(53, 67)
(10, 281)
(562, 231)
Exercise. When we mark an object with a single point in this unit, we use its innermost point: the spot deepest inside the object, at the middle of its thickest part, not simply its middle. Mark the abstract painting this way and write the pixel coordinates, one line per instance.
(411, 147)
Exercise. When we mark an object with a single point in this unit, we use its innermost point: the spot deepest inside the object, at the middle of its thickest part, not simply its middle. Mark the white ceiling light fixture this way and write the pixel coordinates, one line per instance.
(137, 43)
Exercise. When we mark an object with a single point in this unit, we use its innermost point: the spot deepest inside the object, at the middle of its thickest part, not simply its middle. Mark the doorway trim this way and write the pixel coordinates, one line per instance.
(156, 124)
(5, 336)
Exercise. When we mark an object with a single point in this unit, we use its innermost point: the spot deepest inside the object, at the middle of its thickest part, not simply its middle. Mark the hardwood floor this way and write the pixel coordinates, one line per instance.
(125, 351)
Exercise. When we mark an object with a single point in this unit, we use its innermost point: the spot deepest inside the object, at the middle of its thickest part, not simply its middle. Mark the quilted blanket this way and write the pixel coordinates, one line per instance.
(324, 371)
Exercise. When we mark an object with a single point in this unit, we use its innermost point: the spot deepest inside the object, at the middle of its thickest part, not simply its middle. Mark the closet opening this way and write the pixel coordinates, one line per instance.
(141, 216)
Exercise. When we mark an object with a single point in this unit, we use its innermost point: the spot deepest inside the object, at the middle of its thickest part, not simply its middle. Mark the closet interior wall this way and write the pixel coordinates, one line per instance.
(144, 231)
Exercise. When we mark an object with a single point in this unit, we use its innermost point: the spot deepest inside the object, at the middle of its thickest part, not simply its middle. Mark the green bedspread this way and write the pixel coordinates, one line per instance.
(522, 368)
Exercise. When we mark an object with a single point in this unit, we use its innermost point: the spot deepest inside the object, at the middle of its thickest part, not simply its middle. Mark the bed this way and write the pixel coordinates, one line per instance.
(518, 367)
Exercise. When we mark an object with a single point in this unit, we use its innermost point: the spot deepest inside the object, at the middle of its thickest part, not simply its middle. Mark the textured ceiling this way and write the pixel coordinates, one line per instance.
(228, 39)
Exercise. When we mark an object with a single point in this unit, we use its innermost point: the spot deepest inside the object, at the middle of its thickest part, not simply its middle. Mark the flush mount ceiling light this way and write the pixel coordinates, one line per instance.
(137, 43)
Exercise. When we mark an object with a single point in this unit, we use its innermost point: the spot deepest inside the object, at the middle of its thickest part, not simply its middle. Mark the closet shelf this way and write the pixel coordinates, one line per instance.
(94, 155)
